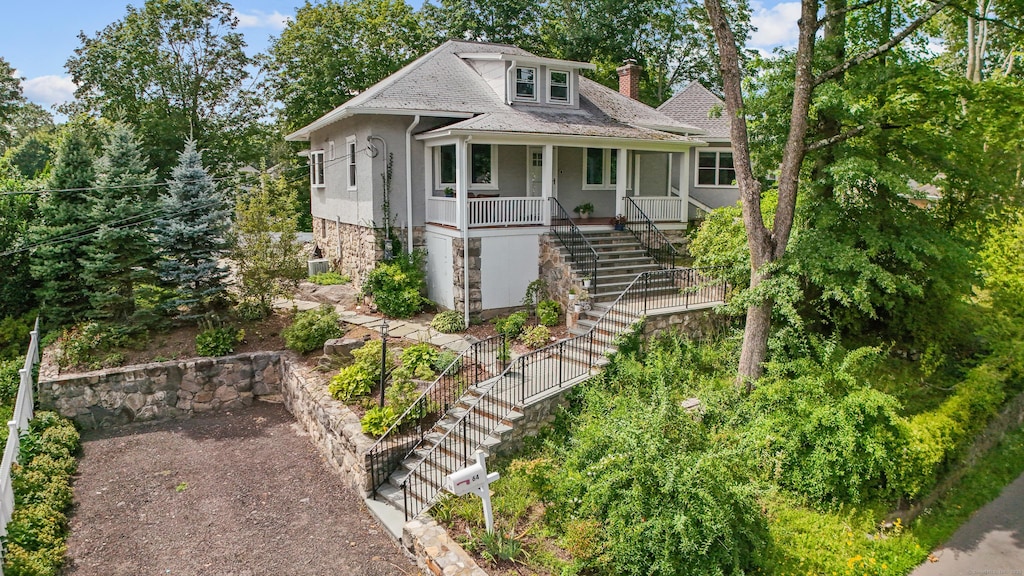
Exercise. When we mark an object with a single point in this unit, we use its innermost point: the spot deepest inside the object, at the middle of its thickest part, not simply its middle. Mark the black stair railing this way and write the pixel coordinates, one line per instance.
(495, 401)
(650, 237)
(584, 257)
(406, 434)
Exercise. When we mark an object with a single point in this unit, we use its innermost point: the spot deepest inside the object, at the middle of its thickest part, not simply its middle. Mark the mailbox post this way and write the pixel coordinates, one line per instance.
(474, 478)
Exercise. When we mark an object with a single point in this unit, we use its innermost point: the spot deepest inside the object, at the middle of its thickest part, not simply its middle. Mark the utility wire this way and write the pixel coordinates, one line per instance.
(118, 187)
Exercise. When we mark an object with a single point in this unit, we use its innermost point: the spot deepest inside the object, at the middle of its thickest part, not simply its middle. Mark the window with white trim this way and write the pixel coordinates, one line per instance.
(444, 165)
(483, 165)
(600, 168)
(526, 83)
(316, 168)
(558, 86)
(715, 169)
(350, 152)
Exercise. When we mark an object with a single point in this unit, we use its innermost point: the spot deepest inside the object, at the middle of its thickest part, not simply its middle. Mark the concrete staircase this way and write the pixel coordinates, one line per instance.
(621, 258)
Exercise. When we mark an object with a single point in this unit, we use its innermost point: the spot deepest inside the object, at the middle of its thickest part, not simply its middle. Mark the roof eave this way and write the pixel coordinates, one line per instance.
(303, 134)
(524, 59)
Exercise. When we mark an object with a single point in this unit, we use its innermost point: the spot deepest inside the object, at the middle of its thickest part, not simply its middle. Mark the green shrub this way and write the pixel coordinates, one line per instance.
(14, 334)
(252, 310)
(536, 336)
(397, 286)
(80, 344)
(362, 375)
(419, 359)
(218, 341)
(312, 328)
(445, 359)
(512, 325)
(401, 393)
(498, 546)
(10, 380)
(448, 322)
(549, 312)
(377, 420)
(330, 278)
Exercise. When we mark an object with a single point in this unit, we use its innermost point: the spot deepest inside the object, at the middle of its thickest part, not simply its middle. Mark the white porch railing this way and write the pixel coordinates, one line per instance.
(512, 211)
(661, 208)
(506, 211)
(443, 211)
(23, 412)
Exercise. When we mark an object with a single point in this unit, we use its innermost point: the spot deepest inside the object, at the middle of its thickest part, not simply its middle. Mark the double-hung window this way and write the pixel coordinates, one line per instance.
(558, 86)
(483, 165)
(601, 168)
(526, 83)
(715, 169)
(350, 161)
(445, 165)
(316, 168)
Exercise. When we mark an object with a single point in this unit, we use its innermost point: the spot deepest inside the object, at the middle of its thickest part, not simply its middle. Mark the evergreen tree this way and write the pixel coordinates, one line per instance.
(17, 291)
(59, 234)
(192, 236)
(266, 247)
(119, 254)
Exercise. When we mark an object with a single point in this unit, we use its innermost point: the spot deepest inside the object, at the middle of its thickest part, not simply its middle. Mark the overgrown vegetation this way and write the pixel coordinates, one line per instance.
(36, 535)
(330, 278)
(398, 286)
(311, 328)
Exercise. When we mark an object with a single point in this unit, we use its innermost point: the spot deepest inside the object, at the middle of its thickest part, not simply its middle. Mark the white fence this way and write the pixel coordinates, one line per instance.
(511, 211)
(23, 412)
(661, 208)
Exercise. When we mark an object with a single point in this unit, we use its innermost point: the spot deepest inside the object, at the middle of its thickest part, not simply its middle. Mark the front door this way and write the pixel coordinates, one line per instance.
(535, 171)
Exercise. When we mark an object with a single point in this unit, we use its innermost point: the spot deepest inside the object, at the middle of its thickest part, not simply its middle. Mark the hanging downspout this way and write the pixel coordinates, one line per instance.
(408, 182)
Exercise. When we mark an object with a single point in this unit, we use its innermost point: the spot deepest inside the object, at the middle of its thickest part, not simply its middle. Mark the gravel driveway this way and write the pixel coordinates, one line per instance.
(239, 494)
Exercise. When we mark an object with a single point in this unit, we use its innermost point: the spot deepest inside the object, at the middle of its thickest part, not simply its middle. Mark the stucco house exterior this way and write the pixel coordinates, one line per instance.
(490, 146)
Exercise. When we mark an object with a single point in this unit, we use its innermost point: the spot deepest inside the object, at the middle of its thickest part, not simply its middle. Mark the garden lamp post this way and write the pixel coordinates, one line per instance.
(383, 358)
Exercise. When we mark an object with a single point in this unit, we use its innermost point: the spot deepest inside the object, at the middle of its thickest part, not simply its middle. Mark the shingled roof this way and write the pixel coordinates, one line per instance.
(692, 105)
(441, 83)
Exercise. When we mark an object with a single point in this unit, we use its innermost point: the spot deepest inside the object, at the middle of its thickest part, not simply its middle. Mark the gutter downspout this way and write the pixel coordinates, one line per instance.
(408, 181)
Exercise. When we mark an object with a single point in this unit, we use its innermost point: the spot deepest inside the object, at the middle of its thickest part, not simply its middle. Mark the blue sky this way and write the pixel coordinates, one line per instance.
(38, 38)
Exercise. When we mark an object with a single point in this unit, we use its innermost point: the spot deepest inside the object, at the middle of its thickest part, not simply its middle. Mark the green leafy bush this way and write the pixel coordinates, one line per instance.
(446, 358)
(330, 278)
(252, 310)
(358, 378)
(14, 334)
(511, 326)
(10, 380)
(397, 286)
(377, 420)
(401, 393)
(312, 328)
(79, 345)
(448, 322)
(536, 336)
(419, 359)
(218, 341)
(549, 312)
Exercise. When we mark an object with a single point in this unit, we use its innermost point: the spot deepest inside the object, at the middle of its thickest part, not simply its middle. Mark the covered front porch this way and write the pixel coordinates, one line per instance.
(487, 180)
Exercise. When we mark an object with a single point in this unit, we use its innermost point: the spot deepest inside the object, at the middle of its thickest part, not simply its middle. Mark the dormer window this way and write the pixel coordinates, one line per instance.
(526, 83)
(558, 86)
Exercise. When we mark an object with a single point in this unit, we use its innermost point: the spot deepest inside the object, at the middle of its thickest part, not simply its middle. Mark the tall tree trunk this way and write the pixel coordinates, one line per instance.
(766, 245)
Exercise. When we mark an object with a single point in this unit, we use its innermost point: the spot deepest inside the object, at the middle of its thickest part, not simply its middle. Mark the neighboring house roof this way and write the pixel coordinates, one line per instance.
(692, 105)
(442, 83)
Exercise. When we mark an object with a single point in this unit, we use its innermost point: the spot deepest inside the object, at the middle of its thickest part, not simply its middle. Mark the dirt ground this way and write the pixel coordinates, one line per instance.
(234, 494)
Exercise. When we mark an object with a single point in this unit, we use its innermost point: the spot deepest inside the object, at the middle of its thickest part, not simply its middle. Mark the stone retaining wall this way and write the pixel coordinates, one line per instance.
(696, 324)
(161, 390)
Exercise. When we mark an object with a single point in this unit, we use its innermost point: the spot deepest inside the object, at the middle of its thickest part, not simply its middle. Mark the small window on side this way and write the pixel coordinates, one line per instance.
(316, 168)
(558, 86)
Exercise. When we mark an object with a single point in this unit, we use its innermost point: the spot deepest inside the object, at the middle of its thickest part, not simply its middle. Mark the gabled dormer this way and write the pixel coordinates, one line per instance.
(526, 80)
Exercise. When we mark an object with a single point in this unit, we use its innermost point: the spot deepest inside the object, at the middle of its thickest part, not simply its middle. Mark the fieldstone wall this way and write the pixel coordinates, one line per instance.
(693, 323)
(352, 249)
(331, 425)
(436, 553)
(161, 390)
(476, 304)
(555, 270)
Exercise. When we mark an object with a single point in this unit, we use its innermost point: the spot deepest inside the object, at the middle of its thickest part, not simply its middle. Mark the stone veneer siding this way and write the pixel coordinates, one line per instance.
(694, 323)
(555, 269)
(352, 249)
(160, 390)
(476, 303)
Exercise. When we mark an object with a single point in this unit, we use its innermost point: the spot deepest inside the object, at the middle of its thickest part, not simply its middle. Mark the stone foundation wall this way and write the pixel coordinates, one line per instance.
(476, 303)
(162, 390)
(555, 270)
(352, 249)
(332, 426)
(693, 323)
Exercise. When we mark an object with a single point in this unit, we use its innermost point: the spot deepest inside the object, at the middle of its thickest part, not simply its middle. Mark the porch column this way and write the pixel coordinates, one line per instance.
(621, 173)
(684, 183)
(547, 187)
(462, 194)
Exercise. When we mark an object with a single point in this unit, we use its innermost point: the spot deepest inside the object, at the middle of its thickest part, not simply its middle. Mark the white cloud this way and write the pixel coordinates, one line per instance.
(49, 90)
(776, 25)
(259, 19)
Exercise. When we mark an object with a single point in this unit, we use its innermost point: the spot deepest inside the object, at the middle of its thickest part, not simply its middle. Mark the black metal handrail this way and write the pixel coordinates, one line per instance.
(649, 236)
(397, 444)
(549, 368)
(581, 252)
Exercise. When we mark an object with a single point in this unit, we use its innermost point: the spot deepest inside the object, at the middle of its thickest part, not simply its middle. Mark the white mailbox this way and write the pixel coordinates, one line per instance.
(474, 478)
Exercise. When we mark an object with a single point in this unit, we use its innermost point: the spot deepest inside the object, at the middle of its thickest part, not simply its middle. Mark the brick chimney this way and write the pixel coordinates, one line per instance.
(629, 79)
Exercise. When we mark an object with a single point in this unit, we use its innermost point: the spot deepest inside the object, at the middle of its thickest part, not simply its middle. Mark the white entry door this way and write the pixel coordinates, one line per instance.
(535, 171)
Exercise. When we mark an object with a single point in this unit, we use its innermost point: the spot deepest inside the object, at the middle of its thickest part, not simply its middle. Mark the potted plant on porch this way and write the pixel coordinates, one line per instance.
(584, 210)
